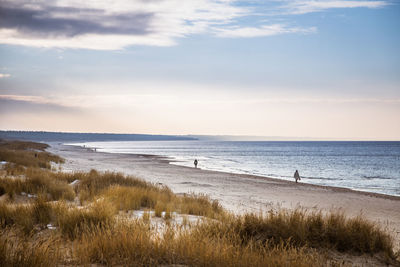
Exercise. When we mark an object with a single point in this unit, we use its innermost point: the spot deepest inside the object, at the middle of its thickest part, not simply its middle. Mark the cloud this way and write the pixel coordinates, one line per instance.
(26, 98)
(303, 7)
(265, 30)
(111, 25)
(136, 100)
(4, 75)
(63, 21)
(105, 24)
(31, 104)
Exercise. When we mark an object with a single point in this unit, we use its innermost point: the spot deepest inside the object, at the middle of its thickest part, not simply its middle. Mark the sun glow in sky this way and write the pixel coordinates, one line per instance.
(318, 69)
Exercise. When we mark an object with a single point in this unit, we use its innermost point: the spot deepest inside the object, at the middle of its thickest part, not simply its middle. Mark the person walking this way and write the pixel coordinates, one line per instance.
(297, 176)
(195, 163)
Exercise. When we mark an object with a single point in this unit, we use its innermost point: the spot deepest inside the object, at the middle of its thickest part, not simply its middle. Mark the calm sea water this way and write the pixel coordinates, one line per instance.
(364, 166)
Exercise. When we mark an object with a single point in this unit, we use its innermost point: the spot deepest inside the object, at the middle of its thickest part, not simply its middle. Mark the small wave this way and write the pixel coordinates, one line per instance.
(376, 177)
(322, 178)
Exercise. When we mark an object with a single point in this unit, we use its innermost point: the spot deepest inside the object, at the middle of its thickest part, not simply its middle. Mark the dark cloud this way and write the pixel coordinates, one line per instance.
(71, 21)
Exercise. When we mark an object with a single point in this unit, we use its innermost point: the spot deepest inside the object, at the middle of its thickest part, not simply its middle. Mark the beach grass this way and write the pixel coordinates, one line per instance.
(37, 182)
(91, 224)
(301, 228)
(132, 243)
(16, 250)
(27, 154)
(73, 221)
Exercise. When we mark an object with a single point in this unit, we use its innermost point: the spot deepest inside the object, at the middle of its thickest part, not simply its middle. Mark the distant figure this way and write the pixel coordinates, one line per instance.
(297, 175)
(195, 163)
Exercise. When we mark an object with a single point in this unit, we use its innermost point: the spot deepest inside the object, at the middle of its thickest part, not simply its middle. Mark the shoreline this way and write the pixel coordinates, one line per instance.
(169, 160)
(239, 193)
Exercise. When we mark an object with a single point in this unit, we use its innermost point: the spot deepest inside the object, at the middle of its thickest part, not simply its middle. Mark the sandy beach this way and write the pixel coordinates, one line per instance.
(238, 192)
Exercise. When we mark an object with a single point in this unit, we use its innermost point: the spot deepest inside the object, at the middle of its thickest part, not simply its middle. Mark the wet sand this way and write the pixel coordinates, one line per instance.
(239, 192)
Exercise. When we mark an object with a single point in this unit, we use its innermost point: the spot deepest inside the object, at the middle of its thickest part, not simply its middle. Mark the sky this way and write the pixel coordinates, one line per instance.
(300, 68)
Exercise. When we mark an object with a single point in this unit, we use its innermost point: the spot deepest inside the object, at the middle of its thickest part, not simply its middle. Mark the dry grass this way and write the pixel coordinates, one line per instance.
(26, 217)
(73, 221)
(162, 200)
(19, 216)
(200, 205)
(22, 145)
(28, 154)
(299, 228)
(38, 181)
(93, 183)
(132, 243)
(17, 251)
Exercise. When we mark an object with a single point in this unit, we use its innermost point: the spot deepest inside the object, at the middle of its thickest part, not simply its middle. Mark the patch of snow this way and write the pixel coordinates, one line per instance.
(3, 162)
(51, 227)
(74, 182)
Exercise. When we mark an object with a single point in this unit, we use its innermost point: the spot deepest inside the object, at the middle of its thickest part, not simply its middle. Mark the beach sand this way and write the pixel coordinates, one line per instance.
(239, 193)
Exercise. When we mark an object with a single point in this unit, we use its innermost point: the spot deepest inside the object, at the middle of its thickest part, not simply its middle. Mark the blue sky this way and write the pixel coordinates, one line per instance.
(319, 69)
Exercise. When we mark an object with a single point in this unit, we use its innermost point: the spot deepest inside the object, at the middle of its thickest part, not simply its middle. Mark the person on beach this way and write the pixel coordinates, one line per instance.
(195, 163)
(297, 176)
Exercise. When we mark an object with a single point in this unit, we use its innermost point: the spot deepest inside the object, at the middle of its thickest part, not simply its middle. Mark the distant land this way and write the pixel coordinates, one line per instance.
(86, 137)
(254, 138)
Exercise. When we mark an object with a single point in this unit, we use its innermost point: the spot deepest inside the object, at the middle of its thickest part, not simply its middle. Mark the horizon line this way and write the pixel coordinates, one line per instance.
(223, 137)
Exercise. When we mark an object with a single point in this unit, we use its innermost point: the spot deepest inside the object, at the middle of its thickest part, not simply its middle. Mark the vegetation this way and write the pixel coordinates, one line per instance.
(84, 218)
(38, 182)
(15, 250)
(299, 228)
(132, 243)
(27, 154)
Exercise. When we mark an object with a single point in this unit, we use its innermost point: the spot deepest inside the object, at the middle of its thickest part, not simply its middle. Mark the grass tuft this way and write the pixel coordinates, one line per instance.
(38, 181)
(17, 251)
(73, 221)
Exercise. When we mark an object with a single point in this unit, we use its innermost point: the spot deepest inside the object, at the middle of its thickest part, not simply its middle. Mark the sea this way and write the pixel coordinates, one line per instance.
(364, 166)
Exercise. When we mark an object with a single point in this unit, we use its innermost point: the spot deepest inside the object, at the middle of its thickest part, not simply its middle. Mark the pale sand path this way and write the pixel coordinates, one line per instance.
(238, 192)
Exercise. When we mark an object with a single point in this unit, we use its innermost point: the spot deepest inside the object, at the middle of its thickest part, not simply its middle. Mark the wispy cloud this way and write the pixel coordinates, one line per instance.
(27, 98)
(4, 75)
(129, 100)
(265, 30)
(303, 7)
(12, 104)
(109, 25)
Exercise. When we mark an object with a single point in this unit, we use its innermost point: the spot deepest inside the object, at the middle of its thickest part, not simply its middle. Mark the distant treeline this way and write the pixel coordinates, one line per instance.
(62, 136)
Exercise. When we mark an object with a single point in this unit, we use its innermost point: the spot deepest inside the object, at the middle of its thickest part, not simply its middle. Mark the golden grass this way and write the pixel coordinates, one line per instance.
(146, 216)
(200, 205)
(132, 243)
(22, 145)
(73, 221)
(17, 251)
(38, 181)
(20, 216)
(300, 228)
(28, 154)
(161, 200)
(26, 217)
